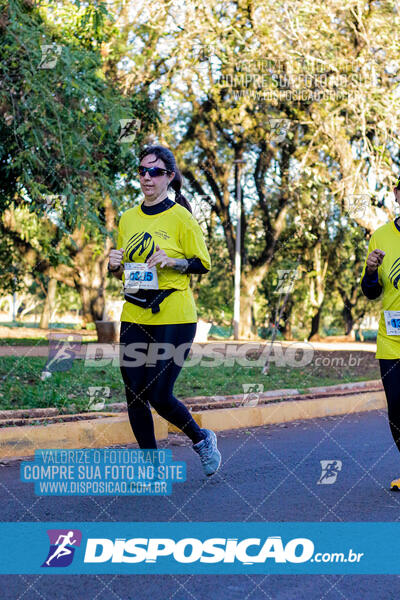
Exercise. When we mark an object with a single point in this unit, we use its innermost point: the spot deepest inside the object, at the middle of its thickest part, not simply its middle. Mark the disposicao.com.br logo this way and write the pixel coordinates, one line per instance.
(247, 551)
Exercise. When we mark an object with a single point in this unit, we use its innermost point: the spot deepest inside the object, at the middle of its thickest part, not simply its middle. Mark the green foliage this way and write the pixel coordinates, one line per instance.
(215, 291)
(218, 73)
(60, 126)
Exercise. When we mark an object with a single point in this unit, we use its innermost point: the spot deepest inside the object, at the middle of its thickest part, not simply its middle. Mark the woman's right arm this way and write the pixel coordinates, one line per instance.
(115, 266)
(370, 285)
(116, 256)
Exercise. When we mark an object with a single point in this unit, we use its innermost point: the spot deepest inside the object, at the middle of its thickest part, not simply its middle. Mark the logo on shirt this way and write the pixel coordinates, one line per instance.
(140, 243)
(162, 233)
(394, 273)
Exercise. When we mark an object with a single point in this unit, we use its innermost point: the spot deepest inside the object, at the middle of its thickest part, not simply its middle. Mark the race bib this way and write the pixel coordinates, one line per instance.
(392, 320)
(140, 276)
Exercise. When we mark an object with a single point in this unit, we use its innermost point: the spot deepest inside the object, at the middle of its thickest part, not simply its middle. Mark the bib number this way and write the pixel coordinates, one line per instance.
(140, 276)
(392, 320)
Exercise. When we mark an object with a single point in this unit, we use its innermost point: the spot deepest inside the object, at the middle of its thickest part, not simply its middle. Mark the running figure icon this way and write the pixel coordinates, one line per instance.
(330, 470)
(62, 550)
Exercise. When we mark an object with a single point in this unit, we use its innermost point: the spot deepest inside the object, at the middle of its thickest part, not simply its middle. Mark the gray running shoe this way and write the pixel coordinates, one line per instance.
(209, 454)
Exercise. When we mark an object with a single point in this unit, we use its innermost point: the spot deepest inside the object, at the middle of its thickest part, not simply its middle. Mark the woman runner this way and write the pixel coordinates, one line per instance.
(166, 237)
(381, 273)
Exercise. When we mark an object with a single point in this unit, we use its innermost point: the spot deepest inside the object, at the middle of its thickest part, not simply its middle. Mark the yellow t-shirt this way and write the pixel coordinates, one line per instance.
(387, 238)
(176, 232)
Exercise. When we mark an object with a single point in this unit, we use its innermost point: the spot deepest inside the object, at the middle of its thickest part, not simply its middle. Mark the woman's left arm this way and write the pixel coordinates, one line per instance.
(194, 247)
(191, 240)
(191, 265)
(160, 258)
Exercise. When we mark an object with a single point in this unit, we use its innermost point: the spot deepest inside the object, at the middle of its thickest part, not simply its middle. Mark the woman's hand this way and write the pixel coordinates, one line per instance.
(374, 260)
(160, 257)
(115, 258)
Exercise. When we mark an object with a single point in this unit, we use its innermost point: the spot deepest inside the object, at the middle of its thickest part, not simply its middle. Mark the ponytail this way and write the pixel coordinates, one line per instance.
(168, 159)
(176, 185)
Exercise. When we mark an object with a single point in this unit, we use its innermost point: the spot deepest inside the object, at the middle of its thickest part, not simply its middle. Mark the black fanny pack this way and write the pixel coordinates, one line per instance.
(149, 298)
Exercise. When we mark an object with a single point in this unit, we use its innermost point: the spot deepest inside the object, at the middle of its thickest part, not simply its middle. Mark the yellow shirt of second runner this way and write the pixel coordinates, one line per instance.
(177, 232)
(387, 238)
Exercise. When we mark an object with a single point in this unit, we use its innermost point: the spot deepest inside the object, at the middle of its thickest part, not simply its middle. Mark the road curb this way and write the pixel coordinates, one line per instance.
(114, 430)
(196, 403)
(270, 395)
(286, 410)
(98, 433)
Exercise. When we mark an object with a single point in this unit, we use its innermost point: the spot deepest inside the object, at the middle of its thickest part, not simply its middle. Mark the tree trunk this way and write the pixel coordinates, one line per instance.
(9, 300)
(93, 303)
(250, 282)
(287, 327)
(91, 270)
(357, 327)
(48, 303)
(348, 319)
(287, 331)
(317, 288)
(315, 323)
(350, 313)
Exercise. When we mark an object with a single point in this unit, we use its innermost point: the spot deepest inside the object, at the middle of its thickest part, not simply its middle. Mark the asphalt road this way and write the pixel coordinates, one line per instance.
(268, 473)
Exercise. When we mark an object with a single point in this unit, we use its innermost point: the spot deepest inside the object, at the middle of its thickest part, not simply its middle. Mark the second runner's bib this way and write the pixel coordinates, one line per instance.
(392, 321)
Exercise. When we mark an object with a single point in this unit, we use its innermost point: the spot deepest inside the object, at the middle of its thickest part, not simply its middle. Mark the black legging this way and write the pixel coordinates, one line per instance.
(390, 373)
(147, 385)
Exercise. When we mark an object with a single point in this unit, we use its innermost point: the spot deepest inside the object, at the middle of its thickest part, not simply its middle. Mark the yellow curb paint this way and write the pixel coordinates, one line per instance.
(56, 418)
(95, 433)
(282, 412)
(108, 431)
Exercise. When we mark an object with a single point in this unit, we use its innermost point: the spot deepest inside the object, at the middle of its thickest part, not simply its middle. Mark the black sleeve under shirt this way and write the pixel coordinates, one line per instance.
(195, 265)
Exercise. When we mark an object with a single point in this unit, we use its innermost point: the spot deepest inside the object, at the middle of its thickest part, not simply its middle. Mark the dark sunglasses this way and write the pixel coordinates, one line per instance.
(153, 171)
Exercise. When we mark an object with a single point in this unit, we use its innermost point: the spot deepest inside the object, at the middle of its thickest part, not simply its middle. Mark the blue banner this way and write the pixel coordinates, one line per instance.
(207, 548)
